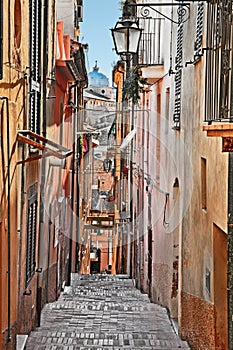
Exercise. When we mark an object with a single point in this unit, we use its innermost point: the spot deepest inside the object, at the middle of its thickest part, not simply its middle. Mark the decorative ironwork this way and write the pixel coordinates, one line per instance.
(146, 10)
(218, 62)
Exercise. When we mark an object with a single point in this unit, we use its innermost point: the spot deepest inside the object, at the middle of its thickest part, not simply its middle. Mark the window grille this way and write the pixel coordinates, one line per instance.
(1, 38)
(178, 69)
(35, 57)
(199, 31)
(218, 61)
(31, 235)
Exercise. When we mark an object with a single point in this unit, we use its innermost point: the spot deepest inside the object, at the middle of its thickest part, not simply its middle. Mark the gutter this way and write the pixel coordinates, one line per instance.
(8, 224)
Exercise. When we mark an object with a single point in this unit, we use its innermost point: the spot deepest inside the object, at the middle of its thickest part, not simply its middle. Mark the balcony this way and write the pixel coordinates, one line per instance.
(150, 49)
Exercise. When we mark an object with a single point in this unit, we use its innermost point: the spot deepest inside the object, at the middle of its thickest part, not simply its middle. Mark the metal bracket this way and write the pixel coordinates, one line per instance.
(182, 6)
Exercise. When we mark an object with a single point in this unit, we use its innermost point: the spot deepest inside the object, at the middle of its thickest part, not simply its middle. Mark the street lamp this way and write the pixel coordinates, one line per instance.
(126, 36)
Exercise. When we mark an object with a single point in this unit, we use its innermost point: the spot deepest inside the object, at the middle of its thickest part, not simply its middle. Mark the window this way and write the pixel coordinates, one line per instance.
(35, 58)
(218, 61)
(203, 184)
(178, 69)
(31, 233)
(207, 281)
(199, 31)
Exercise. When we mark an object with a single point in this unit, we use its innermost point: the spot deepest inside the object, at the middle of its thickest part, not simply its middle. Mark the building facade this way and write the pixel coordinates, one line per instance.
(180, 238)
(41, 82)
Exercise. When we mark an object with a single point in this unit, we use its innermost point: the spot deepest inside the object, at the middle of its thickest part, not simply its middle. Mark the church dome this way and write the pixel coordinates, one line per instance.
(96, 78)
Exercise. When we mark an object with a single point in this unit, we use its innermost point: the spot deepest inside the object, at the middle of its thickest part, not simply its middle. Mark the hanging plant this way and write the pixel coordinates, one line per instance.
(133, 85)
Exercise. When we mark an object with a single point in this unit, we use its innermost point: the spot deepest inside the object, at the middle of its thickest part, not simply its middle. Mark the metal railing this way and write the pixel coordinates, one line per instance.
(150, 48)
(218, 84)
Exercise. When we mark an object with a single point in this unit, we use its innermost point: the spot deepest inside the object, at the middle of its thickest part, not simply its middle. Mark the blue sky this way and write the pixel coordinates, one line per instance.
(98, 17)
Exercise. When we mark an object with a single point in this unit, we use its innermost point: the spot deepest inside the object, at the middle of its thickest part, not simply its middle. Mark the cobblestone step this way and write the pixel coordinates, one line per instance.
(104, 312)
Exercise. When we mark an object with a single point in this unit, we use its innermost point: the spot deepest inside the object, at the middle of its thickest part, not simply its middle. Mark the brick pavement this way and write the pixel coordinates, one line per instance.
(104, 312)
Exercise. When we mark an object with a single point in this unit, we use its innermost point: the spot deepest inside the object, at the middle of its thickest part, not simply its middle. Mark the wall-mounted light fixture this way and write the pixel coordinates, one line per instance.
(126, 36)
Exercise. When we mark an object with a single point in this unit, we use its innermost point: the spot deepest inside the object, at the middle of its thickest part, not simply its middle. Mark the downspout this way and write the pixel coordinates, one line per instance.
(73, 86)
(230, 251)
(8, 223)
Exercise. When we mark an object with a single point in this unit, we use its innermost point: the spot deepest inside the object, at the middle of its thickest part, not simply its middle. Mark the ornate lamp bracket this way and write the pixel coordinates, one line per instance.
(183, 8)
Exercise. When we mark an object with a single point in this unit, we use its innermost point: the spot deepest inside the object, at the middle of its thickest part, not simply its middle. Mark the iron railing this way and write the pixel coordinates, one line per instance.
(150, 52)
(218, 84)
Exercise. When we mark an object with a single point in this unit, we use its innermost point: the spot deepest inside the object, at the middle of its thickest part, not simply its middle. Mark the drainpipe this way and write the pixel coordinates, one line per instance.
(73, 86)
(8, 223)
(230, 251)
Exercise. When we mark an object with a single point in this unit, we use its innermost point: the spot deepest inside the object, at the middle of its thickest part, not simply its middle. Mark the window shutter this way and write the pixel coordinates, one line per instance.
(35, 51)
(178, 69)
(31, 237)
(199, 31)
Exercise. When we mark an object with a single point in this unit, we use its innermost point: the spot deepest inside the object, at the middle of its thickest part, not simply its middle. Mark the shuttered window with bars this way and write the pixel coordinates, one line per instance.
(218, 62)
(198, 52)
(35, 53)
(178, 69)
(31, 234)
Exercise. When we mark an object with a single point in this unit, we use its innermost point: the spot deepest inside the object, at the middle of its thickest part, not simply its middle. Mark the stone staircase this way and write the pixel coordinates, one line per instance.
(104, 312)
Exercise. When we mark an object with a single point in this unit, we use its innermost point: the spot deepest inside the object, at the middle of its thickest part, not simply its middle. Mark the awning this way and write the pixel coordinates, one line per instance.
(48, 147)
(127, 139)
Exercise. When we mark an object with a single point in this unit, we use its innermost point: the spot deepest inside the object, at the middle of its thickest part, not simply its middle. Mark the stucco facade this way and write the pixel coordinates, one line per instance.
(38, 120)
(181, 184)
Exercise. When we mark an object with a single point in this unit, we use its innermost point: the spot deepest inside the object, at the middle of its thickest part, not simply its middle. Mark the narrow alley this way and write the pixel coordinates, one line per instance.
(104, 312)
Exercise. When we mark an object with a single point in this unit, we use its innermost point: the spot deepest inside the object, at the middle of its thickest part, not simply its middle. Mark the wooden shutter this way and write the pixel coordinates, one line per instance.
(35, 56)
(178, 69)
(31, 237)
(199, 31)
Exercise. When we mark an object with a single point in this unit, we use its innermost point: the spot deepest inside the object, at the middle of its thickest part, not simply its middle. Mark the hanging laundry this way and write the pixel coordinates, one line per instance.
(85, 144)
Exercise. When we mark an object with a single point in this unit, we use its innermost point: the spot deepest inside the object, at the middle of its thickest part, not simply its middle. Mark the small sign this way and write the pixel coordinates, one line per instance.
(35, 86)
(227, 144)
